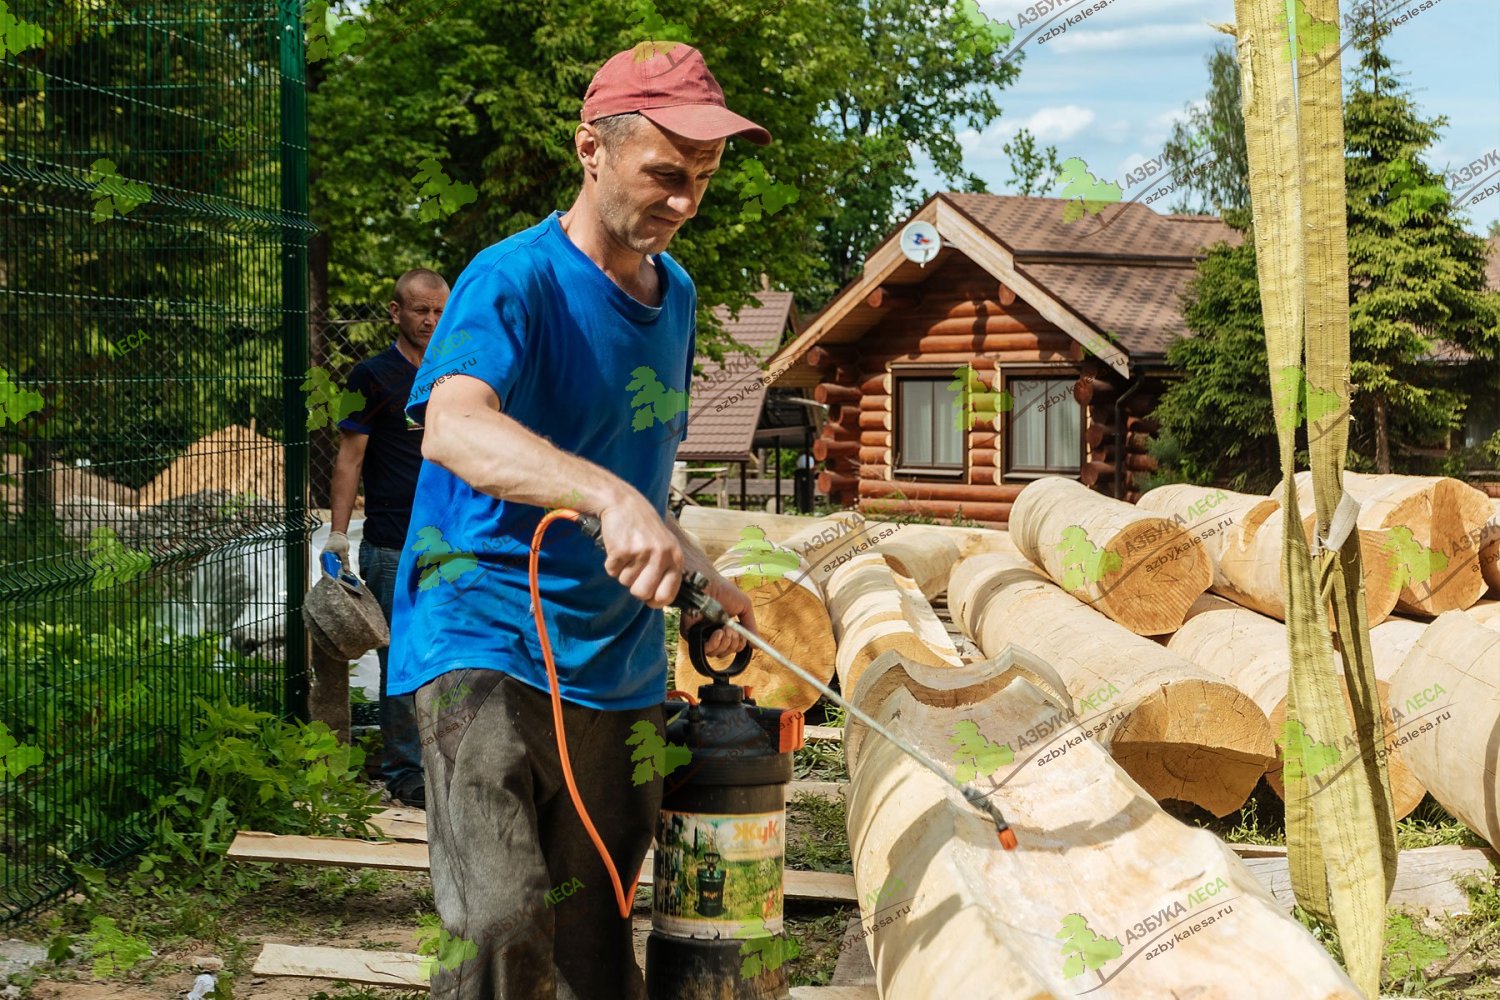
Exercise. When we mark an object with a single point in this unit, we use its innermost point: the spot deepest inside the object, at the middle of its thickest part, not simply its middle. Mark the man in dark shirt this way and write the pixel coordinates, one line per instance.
(381, 441)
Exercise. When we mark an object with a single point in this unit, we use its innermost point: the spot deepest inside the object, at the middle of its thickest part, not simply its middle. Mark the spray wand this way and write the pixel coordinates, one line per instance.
(693, 595)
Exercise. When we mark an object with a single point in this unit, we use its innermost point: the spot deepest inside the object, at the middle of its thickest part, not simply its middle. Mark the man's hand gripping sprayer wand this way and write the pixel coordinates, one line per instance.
(693, 595)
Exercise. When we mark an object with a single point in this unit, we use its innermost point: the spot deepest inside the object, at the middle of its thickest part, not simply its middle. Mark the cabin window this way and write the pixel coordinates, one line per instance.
(1045, 431)
(931, 436)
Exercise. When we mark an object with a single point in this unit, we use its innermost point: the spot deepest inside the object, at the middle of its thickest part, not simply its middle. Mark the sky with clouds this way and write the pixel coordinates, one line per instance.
(1108, 88)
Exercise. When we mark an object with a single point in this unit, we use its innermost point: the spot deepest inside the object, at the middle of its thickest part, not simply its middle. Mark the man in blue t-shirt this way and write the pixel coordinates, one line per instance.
(379, 444)
(558, 377)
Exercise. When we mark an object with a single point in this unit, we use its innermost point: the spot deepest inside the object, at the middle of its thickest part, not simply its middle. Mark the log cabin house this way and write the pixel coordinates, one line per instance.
(1063, 327)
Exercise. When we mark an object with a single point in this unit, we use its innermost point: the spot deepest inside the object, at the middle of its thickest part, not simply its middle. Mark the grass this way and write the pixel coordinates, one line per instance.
(816, 838)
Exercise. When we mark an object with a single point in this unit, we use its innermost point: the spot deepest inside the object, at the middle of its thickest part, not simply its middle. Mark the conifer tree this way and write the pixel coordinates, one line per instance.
(1417, 286)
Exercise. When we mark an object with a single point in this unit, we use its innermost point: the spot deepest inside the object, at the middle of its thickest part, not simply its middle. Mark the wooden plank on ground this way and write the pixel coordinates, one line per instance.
(403, 969)
(334, 852)
(810, 733)
(401, 824)
(411, 824)
(355, 965)
(346, 852)
(853, 967)
(1427, 878)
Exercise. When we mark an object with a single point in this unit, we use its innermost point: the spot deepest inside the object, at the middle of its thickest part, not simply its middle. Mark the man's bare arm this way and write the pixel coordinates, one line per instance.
(345, 485)
(465, 433)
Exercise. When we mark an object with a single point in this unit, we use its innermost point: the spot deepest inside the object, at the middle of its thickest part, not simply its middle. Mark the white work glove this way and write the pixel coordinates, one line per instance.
(338, 544)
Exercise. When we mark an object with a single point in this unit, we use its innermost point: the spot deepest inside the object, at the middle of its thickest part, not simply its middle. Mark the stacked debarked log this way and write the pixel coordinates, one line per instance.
(1489, 553)
(1178, 730)
(1436, 527)
(1242, 536)
(1141, 570)
(1249, 651)
(874, 610)
(790, 614)
(1448, 686)
(789, 565)
(1105, 891)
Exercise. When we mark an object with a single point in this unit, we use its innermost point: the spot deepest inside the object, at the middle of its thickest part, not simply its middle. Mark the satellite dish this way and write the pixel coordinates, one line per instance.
(920, 242)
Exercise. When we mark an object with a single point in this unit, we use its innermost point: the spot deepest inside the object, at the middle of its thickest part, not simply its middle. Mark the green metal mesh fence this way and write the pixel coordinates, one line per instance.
(153, 231)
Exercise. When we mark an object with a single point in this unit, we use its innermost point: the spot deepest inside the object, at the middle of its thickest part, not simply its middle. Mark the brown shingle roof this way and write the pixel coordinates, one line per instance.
(1123, 271)
(725, 401)
(1035, 226)
(1119, 273)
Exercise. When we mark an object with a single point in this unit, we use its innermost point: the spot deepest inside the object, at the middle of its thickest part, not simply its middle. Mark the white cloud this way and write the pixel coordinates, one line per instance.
(1059, 124)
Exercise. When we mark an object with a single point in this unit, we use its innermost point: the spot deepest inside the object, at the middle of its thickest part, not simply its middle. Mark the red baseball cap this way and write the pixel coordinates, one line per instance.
(670, 84)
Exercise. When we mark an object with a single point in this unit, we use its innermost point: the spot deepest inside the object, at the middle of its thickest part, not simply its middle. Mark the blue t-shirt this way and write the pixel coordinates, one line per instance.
(575, 359)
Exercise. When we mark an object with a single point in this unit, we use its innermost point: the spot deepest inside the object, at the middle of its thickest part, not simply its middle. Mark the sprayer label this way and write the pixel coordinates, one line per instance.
(716, 871)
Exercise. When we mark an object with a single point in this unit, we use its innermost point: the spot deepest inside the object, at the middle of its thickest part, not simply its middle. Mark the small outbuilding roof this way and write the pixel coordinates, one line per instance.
(724, 405)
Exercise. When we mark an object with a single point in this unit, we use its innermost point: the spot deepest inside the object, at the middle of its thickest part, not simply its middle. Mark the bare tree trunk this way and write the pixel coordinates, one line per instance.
(1382, 437)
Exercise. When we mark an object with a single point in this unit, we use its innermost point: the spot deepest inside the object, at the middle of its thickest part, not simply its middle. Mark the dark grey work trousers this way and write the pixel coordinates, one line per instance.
(503, 833)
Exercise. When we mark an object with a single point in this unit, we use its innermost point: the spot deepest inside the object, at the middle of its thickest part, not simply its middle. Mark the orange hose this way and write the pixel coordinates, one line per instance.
(557, 716)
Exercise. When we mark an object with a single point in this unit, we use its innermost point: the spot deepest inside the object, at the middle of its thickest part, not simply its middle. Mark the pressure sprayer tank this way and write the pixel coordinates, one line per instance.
(716, 914)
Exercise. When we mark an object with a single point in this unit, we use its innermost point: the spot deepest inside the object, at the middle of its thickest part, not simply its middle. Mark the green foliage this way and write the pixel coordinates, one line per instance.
(1029, 167)
(1303, 755)
(1087, 194)
(1085, 949)
(652, 400)
(817, 833)
(1215, 178)
(761, 194)
(113, 195)
(113, 950)
(438, 560)
(16, 404)
(1082, 560)
(16, 758)
(248, 770)
(508, 80)
(654, 754)
(99, 702)
(976, 756)
(646, 20)
(327, 34)
(112, 562)
(440, 948)
(765, 952)
(978, 36)
(16, 35)
(1416, 277)
(327, 404)
(440, 196)
(1408, 952)
(767, 560)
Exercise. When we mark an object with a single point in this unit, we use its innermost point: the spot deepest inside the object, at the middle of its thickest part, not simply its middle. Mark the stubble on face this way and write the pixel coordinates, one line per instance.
(418, 316)
(650, 183)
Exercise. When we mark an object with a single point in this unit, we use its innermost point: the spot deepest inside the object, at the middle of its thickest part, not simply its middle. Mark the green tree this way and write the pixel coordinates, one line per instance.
(1031, 172)
(491, 90)
(1206, 153)
(1416, 275)
(1416, 281)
